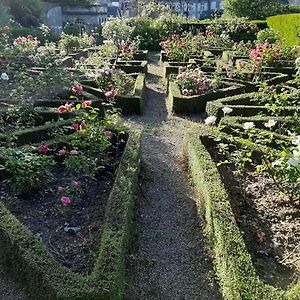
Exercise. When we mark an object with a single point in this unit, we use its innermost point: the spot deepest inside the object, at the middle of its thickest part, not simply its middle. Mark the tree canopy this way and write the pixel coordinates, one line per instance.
(254, 9)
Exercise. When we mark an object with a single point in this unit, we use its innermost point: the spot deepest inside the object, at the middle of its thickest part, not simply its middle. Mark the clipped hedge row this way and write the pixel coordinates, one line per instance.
(234, 268)
(25, 257)
(287, 26)
(180, 104)
(233, 264)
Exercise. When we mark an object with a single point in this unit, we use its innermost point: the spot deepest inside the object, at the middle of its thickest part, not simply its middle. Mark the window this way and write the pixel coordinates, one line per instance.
(213, 5)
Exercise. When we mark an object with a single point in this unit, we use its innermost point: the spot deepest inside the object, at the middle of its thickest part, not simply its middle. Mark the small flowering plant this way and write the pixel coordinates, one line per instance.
(179, 48)
(127, 50)
(194, 82)
(113, 82)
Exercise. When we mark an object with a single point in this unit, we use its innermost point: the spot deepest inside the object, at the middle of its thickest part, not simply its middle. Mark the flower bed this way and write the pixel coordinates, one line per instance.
(179, 103)
(130, 67)
(129, 103)
(237, 274)
(25, 256)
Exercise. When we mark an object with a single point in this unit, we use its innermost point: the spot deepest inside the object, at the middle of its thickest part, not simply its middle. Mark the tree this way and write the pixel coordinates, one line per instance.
(252, 9)
(4, 15)
(26, 12)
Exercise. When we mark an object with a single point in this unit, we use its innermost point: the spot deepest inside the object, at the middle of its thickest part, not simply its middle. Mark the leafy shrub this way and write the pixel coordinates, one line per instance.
(117, 30)
(269, 35)
(179, 48)
(237, 29)
(255, 10)
(72, 29)
(71, 43)
(28, 172)
(194, 82)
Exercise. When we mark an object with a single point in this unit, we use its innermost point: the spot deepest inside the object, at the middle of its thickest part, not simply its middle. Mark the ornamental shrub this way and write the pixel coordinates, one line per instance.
(238, 29)
(255, 9)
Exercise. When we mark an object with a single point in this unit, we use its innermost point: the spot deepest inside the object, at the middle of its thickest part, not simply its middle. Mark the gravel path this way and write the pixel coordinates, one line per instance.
(169, 259)
(9, 290)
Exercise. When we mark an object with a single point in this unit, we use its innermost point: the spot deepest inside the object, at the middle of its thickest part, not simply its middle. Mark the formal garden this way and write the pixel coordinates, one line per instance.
(157, 158)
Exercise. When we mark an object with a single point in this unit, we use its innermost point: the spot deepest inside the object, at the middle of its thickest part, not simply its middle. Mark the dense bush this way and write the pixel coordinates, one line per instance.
(255, 10)
(269, 35)
(238, 29)
(287, 26)
(27, 13)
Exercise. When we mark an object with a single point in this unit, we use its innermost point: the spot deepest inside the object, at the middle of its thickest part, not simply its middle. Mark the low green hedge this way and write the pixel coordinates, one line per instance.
(244, 106)
(196, 104)
(128, 104)
(24, 256)
(287, 26)
(233, 264)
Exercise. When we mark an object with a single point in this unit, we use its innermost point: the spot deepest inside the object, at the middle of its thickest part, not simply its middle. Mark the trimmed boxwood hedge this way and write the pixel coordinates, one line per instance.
(233, 264)
(287, 26)
(196, 104)
(242, 106)
(24, 256)
(128, 104)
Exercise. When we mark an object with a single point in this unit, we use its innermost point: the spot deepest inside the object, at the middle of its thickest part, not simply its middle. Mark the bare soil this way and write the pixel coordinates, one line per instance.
(57, 226)
(269, 221)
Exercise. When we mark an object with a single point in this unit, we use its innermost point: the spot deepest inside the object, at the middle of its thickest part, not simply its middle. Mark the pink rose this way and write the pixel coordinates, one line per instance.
(60, 189)
(76, 184)
(62, 152)
(74, 152)
(75, 126)
(107, 133)
(65, 201)
(77, 89)
(86, 104)
(43, 149)
(111, 94)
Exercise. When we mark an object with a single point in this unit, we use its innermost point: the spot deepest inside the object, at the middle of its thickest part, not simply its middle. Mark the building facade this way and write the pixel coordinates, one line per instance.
(89, 16)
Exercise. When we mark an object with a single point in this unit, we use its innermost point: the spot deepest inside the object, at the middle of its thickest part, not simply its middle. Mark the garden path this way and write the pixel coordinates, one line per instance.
(170, 258)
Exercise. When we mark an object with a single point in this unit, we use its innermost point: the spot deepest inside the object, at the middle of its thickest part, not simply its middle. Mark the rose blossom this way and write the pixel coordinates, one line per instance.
(86, 104)
(271, 123)
(60, 189)
(74, 152)
(111, 94)
(65, 108)
(4, 76)
(210, 120)
(227, 110)
(76, 184)
(43, 149)
(107, 133)
(248, 125)
(65, 201)
(62, 152)
(75, 126)
(77, 89)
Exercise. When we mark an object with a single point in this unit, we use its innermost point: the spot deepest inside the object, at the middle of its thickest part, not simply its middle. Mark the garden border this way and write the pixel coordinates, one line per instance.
(25, 257)
(237, 275)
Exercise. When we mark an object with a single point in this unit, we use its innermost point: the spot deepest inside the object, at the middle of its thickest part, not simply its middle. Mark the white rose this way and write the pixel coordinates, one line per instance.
(248, 125)
(4, 76)
(210, 120)
(270, 123)
(227, 110)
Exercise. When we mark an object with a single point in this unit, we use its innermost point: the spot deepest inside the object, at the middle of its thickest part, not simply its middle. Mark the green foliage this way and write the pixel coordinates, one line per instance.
(269, 35)
(255, 10)
(4, 15)
(287, 26)
(28, 172)
(70, 43)
(238, 29)
(117, 30)
(25, 12)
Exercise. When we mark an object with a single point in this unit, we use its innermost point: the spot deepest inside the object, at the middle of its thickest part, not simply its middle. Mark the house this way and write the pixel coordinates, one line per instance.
(199, 9)
(89, 16)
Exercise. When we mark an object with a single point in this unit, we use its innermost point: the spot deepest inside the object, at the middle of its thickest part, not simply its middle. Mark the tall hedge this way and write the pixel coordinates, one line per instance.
(288, 26)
